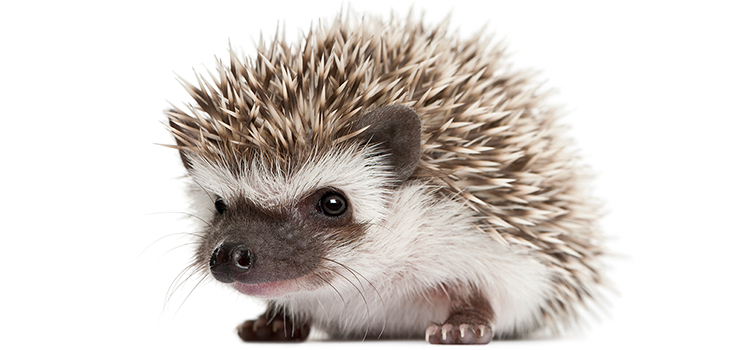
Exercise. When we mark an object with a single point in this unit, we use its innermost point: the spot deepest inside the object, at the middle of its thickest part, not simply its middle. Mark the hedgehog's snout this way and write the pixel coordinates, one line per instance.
(229, 261)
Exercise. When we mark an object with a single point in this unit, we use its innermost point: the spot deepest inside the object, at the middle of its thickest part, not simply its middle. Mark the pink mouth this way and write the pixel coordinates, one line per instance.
(269, 289)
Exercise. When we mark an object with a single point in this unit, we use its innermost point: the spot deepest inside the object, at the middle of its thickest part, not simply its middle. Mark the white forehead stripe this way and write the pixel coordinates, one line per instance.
(359, 174)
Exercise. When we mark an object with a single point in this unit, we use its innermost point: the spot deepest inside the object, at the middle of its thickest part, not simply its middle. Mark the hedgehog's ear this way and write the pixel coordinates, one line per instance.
(398, 131)
(178, 131)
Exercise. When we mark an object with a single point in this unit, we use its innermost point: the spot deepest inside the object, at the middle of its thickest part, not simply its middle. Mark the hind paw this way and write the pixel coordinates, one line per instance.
(274, 330)
(458, 334)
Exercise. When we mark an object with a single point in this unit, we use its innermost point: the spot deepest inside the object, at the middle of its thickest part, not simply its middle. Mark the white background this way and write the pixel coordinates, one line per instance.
(657, 100)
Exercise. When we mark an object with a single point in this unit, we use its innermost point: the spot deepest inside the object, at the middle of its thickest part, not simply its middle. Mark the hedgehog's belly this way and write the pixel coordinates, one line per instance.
(386, 314)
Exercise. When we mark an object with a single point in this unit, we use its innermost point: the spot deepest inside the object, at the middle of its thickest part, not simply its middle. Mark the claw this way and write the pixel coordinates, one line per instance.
(461, 334)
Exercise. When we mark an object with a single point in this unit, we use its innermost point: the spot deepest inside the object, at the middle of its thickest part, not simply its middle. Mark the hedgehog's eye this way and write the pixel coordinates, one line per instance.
(332, 204)
(221, 207)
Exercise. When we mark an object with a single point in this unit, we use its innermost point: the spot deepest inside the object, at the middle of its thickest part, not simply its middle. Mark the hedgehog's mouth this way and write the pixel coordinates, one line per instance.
(269, 289)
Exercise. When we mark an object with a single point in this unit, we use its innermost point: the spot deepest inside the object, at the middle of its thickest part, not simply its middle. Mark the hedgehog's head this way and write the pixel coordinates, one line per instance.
(280, 218)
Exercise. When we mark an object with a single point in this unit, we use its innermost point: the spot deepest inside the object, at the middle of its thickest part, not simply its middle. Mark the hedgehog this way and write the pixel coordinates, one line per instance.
(385, 178)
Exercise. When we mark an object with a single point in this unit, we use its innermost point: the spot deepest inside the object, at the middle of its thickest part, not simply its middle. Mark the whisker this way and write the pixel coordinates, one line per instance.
(380, 297)
(182, 213)
(350, 282)
(361, 294)
(366, 316)
(191, 293)
(328, 317)
(334, 288)
(348, 269)
(196, 270)
(194, 234)
(175, 285)
(181, 246)
(316, 275)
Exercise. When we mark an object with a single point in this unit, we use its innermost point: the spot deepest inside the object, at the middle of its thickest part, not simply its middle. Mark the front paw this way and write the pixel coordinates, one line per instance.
(458, 334)
(277, 329)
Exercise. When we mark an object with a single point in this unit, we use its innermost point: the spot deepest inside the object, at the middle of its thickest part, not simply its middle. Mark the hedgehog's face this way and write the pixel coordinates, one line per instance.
(275, 232)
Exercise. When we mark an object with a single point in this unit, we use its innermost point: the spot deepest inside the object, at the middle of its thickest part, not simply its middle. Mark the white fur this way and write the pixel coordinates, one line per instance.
(350, 170)
(417, 243)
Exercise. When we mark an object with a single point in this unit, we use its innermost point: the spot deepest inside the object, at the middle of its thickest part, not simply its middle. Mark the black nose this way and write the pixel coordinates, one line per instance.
(230, 260)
